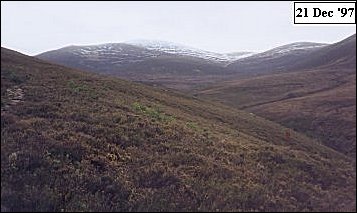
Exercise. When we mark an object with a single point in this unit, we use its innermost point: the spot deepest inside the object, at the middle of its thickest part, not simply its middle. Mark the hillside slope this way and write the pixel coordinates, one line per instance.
(280, 59)
(75, 141)
(318, 100)
(296, 57)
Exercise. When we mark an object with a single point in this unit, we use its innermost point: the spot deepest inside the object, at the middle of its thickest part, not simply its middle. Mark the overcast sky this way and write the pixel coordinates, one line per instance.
(35, 27)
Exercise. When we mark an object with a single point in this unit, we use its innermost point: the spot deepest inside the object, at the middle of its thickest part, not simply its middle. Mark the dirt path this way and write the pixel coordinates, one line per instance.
(15, 95)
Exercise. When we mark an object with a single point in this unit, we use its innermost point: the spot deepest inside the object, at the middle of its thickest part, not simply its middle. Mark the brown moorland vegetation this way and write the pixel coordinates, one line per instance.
(75, 141)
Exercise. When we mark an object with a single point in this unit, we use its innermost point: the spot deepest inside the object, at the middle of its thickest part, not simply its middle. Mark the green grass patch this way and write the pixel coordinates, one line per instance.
(78, 87)
(192, 125)
(152, 112)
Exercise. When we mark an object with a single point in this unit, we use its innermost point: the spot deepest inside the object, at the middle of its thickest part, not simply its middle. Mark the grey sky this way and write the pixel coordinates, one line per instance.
(34, 27)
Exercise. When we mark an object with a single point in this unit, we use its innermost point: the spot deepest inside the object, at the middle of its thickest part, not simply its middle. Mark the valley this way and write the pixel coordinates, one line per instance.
(318, 101)
(285, 84)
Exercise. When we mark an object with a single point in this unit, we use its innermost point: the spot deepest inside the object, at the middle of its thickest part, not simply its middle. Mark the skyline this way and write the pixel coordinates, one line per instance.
(36, 27)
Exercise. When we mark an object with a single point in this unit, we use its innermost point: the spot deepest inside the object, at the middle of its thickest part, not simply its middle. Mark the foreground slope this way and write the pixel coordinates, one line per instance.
(318, 99)
(77, 141)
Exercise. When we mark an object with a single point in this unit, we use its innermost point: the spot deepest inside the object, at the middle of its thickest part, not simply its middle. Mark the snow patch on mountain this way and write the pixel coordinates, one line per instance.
(116, 52)
(294, 48)
(183, 50)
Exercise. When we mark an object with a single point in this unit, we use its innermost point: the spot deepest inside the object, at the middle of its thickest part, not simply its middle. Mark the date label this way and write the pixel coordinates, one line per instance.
(324, 12)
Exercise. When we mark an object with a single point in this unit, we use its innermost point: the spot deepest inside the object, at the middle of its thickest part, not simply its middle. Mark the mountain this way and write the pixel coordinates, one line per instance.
(340, 54)
(169, 64)
(104, 57)
(172, 65)
(317, 96)
(283, 58)
(183, 50)
(77, 141)
(139, 64)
